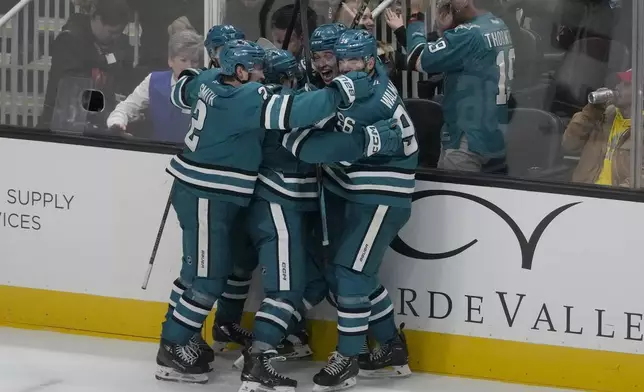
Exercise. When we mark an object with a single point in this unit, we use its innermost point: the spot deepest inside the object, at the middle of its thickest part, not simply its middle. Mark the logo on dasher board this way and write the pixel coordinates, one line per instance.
(528, 246)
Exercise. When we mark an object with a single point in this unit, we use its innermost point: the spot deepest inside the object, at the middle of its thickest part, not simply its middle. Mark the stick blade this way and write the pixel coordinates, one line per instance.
(265, 44)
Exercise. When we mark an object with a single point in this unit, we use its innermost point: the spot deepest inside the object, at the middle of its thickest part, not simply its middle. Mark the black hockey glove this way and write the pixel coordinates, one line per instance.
(383, 138)
(353, 86)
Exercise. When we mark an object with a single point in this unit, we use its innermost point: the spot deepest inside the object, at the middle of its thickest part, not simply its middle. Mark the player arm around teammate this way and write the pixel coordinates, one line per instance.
(313, 145)
(319, 144)
(279, 220)
(230, 306)
(228, 116)
(368, 202)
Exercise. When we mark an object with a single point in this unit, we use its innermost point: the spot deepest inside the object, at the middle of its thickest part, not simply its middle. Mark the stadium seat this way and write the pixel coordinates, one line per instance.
(533, 142)
(586, 67)
(528, 67)
(427, 117)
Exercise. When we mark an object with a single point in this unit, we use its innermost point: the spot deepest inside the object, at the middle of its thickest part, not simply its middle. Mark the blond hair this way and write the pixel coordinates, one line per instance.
(180, 24)
(186, 43)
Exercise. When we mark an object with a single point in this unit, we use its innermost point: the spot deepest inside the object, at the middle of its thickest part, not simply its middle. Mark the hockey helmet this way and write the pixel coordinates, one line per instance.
(279, 63)
(325, 36)
(218, 35)
(356, 43)
(241, 52)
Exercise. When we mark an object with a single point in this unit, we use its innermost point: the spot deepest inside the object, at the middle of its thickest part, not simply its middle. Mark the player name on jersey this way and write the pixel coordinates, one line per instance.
(498, 38)
(207, 95)
(390, 96)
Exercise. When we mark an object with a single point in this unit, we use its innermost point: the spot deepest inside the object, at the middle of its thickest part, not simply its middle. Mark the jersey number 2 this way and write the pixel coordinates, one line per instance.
(505, 75)
(198, 119)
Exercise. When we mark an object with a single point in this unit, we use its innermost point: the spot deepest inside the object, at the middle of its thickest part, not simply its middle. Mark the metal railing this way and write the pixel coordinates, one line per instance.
(27, 32)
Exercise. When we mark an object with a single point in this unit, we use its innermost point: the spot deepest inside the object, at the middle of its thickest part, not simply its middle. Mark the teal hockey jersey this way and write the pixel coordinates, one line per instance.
(386, 180)
(478, 61)
(283, 179)
(223, 149)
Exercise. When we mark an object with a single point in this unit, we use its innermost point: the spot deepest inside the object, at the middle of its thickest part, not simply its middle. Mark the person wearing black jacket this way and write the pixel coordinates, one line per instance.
(91, 47)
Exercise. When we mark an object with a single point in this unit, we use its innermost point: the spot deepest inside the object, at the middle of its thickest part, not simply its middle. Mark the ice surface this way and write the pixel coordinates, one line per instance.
(36, 361)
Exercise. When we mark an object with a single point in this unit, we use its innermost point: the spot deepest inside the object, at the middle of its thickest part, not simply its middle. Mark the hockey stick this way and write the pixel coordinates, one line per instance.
(265, 44)
(304, 23)
(291, 25)
(157, 241)
(359, 14)
(304, 4)
(380, 8)
(263, 14)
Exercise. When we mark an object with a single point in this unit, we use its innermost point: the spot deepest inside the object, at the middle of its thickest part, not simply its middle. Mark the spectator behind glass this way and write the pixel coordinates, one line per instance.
(169, 124)
(393, 60)
(347, 10)
(601, 133)
(93, 47)
(155, 17)
(279, 24)
(475, 105)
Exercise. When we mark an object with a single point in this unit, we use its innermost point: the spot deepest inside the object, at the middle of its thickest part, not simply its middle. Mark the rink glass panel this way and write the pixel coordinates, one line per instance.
(563, 50)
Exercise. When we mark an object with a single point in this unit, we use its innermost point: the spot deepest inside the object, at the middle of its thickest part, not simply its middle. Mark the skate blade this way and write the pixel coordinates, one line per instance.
(239, 363)
(168, 374)
(346, 384)
(225, 347)
(300, 352)
(248, 386)
(388, 372)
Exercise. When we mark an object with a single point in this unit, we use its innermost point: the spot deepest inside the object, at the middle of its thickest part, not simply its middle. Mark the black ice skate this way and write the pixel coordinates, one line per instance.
(206, 354)
(296, 346)
(339, 374)
(259, 375)
(388, 360)
(287, 349)
(180, 364)
(365, 354)
(223, 334)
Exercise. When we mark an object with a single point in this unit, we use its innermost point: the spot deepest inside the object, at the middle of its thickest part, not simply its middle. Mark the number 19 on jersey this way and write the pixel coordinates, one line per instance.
(505, 62)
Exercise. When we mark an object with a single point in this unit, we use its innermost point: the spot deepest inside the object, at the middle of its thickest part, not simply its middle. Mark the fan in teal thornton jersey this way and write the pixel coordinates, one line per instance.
(477, 57)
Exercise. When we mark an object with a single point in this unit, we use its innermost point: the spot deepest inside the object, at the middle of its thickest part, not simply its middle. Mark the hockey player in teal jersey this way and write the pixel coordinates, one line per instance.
(230, 307)
(477, 57)
(215, 179)
(217, 36)
(368, 202)
(280, 221)
(322, 41)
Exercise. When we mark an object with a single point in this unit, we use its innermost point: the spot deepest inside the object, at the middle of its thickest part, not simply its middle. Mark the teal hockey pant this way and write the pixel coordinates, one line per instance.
(316, 289)
(360, 236)
(278, 235)
(230, 305)
(207, 262)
